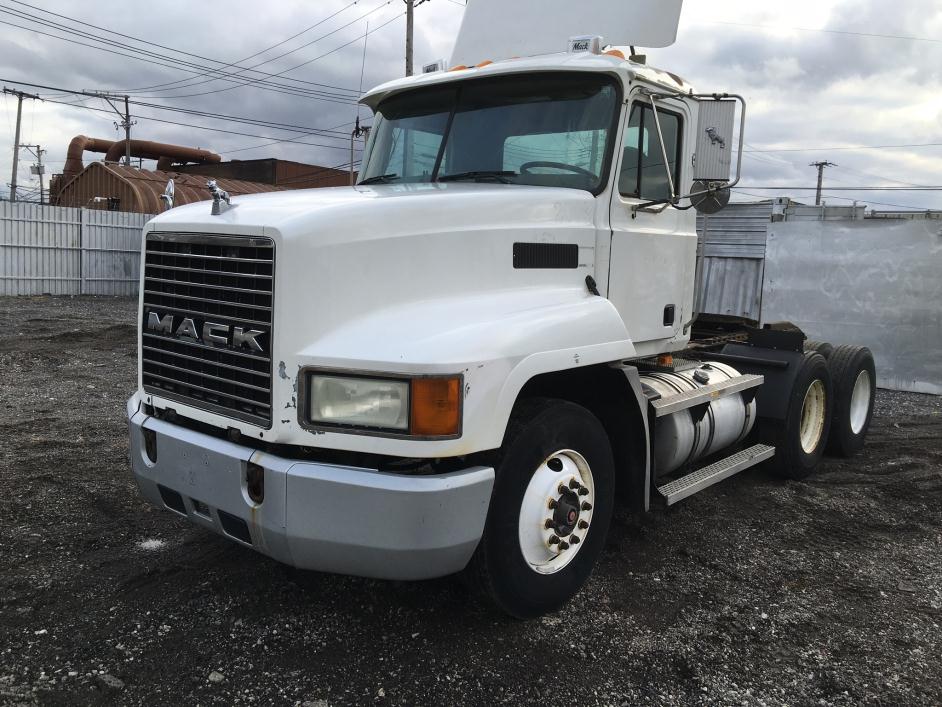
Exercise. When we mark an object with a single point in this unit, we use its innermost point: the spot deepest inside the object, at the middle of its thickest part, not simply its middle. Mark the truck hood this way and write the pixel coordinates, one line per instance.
(382, 210)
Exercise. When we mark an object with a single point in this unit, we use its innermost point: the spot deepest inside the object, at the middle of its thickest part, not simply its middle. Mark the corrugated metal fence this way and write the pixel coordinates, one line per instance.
(64, 251)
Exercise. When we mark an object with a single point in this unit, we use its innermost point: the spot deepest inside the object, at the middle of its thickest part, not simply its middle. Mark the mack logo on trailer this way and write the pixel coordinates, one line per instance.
(209, 333)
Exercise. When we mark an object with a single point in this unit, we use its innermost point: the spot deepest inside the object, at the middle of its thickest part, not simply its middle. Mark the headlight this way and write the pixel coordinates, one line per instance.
(360, 402)
(427, 407)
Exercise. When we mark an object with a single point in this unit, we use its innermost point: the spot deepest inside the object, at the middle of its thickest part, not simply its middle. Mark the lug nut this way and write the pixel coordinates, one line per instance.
(561, 489)
(552, 504)
(563, 545)
(573, 484)
(586, 506)
(553, 540)
(583, 491)
(583, 525)
(575, 539)
(548, 524)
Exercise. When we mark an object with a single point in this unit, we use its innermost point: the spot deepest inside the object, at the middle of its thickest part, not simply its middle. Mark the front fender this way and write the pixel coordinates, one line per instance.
(498, 341)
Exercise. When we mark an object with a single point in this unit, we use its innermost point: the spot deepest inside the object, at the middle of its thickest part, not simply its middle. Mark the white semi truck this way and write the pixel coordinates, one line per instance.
(462, 363)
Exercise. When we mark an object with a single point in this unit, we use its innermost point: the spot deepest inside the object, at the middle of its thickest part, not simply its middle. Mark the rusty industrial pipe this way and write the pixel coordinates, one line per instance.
(79, 145)
(160, 151)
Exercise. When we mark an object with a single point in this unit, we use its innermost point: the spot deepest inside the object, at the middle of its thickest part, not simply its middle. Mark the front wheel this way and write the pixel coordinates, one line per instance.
(550, 510)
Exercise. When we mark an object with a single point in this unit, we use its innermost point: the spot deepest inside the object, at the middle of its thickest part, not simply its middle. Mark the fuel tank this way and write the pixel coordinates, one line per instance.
(679, 441)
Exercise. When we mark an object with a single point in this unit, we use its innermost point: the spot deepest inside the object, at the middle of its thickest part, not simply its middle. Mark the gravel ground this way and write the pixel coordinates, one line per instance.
(755, 592)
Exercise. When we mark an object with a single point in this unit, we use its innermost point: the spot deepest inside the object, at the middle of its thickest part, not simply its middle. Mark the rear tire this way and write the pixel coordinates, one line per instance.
(554, 452)
(800, 438)
(821, 347)
(854, 375)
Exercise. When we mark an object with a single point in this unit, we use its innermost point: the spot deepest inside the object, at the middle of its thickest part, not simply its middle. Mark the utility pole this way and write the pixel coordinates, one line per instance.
(127, 132)
(39, 169)
(126, 121)
(20, 95)
(410, 30)
(820, 167)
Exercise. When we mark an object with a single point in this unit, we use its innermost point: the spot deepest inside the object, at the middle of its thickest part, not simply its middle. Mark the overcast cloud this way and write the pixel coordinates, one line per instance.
(805, 89)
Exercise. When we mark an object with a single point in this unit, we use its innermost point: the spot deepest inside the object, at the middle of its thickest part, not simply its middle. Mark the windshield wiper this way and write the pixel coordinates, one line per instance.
(379, 179)
(499, 175)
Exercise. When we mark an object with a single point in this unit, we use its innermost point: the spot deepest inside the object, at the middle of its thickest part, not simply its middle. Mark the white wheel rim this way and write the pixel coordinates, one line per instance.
(556, 512)
(813, 412)
(860, 402)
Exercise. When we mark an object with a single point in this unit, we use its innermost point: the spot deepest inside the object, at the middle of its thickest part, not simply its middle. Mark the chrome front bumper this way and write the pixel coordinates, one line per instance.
(315, 516)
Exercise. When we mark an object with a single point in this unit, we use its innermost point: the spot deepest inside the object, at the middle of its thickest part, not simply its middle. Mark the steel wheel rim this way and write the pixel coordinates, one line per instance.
(813, 415)
(860, 402)
(562, 481)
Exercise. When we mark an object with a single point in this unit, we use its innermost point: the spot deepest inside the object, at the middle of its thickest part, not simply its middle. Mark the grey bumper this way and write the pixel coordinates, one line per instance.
(315, 516)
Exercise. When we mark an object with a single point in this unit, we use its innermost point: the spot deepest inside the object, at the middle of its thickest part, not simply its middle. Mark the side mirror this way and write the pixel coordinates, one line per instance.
(709, 197)
(713, 160)
(715, 140)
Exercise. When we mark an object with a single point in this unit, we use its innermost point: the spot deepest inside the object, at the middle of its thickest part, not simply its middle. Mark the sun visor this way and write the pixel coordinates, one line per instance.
(501, 29)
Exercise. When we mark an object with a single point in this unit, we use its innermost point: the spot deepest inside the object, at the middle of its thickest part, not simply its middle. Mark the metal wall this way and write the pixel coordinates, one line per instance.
(733, 246)
(65, 251)
(876, 283)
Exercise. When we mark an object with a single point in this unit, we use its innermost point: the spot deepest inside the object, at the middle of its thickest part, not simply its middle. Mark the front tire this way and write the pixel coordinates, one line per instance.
(550, 509)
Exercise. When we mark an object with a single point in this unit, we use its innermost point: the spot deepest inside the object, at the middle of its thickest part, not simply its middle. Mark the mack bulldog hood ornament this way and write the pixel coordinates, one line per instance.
(221, 202)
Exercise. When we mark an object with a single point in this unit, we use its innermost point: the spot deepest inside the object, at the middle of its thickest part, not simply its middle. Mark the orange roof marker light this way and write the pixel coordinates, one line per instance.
(616, 53)
(486, 62)
(460, 67)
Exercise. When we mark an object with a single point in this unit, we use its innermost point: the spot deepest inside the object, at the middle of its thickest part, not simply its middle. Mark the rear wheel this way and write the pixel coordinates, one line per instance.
(855, 378)
(550, 510)
(821, 347)
(800, 438)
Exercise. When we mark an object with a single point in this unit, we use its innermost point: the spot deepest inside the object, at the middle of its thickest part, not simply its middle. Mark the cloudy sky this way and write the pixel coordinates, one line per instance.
(831, 74)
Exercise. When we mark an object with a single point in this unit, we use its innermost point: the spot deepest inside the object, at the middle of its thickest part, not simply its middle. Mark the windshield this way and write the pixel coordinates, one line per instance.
(544, 130)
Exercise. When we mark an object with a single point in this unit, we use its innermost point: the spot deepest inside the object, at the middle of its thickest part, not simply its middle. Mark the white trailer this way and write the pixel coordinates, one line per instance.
(462, 363)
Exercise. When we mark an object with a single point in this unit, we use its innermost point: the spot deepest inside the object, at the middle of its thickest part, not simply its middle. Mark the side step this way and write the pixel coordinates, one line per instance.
(704, 395)
(714, 473)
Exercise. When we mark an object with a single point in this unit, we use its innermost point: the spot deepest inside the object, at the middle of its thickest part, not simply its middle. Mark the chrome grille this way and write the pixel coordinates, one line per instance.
(202, 293)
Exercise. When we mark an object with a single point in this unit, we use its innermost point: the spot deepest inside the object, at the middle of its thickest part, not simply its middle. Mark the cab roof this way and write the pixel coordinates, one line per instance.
(612, 62)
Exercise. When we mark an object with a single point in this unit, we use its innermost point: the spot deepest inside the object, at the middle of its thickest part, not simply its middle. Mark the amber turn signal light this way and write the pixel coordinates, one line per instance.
(436, 407)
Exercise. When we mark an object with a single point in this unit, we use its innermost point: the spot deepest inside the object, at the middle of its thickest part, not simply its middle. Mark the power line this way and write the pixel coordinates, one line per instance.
(151, 58)
(911, 189)
(843, 198)
(321, 132)
(252, 82)
(276, 142)
(781, 28)
(253, 67)
(304, 93)
(111, 32)
(868, 175)
(204, 127)
(268, 49)
(830, 149)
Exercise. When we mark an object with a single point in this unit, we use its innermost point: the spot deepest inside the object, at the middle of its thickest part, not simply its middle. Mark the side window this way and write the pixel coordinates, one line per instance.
(643, 173)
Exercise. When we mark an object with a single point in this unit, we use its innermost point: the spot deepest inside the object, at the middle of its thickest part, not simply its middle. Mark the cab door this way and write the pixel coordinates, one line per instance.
(653, 250)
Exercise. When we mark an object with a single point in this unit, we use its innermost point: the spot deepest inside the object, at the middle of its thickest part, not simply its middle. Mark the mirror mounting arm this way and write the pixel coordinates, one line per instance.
(711, 188)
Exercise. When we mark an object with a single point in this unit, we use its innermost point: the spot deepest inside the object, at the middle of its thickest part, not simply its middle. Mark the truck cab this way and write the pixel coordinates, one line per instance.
(452, 365)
